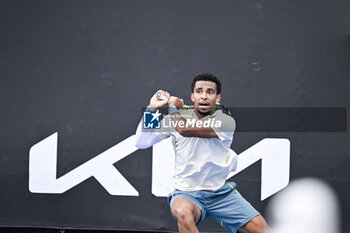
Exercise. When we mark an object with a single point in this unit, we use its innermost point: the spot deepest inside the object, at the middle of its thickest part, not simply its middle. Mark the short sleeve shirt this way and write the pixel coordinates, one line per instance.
(202, 163)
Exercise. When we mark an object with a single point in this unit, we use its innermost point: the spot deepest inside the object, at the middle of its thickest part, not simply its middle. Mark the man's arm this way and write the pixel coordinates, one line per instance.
(191, 131)
(188, 130)
(145, 139)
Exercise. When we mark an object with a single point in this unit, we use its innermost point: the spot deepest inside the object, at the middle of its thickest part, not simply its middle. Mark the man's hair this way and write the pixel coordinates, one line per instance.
(206, 77)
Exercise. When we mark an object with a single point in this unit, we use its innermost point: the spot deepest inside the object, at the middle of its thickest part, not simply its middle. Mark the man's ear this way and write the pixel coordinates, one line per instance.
(192, 97)
(218, 98)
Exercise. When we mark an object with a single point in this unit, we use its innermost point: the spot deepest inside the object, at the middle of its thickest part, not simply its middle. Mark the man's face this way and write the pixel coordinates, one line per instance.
(204, 97)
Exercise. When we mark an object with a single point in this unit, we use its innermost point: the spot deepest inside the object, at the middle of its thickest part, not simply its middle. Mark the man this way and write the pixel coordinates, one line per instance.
(203, 160)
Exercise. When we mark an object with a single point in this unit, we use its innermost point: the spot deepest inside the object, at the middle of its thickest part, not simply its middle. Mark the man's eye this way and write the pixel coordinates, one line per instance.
(211, 92)
(198, 91)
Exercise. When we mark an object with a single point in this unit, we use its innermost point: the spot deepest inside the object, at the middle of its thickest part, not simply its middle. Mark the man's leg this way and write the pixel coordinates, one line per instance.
(256, 225)
(187, 215)
(233, 212)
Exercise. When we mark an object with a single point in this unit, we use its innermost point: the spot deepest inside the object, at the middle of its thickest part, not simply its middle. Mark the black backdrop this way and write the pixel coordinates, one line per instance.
(84, 69)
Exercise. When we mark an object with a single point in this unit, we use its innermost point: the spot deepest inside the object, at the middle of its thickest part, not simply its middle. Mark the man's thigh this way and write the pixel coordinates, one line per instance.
(231, 210)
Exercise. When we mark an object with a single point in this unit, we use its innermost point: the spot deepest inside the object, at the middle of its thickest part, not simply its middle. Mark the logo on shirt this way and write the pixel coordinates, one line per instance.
(151, 120)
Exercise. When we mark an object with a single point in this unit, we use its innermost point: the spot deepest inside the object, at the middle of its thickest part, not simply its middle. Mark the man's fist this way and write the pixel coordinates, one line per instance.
(156, 103)
(175, 101)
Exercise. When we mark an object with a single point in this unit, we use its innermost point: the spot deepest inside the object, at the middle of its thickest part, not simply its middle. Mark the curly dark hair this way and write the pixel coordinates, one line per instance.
(206, 77)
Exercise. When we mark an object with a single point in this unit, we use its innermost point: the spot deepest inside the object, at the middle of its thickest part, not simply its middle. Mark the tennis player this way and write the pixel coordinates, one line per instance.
(201, 138)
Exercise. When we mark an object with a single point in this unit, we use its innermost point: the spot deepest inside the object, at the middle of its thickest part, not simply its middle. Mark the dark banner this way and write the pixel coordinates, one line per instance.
(75, 76)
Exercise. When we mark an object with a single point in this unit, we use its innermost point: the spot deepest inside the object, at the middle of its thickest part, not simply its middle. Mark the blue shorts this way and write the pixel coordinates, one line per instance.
(225, 205)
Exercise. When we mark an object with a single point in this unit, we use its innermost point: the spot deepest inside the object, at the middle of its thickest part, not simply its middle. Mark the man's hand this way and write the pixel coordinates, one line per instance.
(156, 103)
(175, 101)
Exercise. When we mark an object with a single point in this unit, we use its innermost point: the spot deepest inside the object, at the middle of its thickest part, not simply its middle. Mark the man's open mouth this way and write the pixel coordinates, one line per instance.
(203, 105)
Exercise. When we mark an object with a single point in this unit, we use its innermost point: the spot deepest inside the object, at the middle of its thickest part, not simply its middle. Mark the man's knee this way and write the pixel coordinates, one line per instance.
(183, 214)
(185, 211)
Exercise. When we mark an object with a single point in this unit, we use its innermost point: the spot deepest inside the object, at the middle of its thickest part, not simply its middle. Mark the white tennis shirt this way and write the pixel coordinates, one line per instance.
(200, 163)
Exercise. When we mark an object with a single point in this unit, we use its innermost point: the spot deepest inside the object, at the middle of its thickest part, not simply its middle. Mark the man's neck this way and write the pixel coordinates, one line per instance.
(200, 116)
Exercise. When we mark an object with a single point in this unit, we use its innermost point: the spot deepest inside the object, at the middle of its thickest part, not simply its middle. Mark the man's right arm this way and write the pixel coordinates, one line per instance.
(145, 139)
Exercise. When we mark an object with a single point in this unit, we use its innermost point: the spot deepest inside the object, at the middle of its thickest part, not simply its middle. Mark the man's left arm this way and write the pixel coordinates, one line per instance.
(189, 130)
(222, 132)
